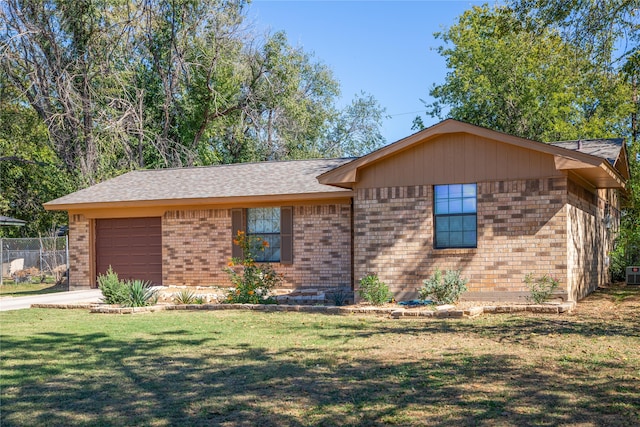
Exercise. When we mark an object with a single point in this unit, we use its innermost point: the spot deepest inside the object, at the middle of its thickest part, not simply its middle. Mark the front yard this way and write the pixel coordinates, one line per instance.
(236, 368)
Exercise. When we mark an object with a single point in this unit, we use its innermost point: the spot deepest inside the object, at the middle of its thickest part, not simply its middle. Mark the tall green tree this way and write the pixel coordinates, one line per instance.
(527, 82)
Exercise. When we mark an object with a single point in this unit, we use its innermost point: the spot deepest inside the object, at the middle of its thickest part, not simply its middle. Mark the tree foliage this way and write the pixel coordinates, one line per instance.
(30, 173)
(526, 82)
(115, 85)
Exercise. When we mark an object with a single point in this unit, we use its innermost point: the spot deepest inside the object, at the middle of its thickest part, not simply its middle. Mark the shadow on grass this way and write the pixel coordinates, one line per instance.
(177, 379)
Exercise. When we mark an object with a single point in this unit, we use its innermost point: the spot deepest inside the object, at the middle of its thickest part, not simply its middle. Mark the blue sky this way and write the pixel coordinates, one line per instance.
(385, 48)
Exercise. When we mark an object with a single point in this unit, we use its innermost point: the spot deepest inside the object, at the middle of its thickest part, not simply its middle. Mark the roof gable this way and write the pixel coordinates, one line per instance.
(597, 171)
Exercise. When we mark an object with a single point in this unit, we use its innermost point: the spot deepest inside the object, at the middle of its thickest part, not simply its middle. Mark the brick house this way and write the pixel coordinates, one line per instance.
(453, 196)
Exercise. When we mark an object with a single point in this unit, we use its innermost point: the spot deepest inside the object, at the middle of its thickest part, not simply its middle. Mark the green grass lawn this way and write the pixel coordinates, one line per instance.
(9, 288)
(242, 368)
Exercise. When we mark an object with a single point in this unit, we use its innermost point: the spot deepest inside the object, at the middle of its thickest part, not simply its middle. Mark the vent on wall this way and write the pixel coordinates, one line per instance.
(633, 275)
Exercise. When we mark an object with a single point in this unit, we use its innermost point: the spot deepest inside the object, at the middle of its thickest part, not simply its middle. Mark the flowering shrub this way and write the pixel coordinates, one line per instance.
(541, 288)
(253, 282)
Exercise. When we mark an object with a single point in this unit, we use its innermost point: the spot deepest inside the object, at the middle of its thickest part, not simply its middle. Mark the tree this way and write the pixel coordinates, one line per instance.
(125, 84)
(31, 173)
(608, 32)
(605, 30)
(530, 83)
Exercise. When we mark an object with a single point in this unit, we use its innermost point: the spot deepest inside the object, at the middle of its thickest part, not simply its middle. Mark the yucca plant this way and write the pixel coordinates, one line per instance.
(185, 296)
(141, 294)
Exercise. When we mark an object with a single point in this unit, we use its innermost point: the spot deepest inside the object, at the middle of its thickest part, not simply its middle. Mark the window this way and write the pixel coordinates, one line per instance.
(275, 225)
(455, 216)
(265, 223)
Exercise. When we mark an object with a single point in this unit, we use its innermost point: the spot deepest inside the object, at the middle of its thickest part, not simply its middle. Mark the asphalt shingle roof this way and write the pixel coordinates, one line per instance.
(608, 149)
(224, 181)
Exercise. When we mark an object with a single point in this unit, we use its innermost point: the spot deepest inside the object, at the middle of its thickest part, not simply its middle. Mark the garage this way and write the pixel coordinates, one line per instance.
(131, 246)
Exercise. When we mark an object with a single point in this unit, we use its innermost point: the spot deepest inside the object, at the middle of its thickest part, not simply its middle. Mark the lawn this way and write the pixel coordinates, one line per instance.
(9, 288)
(234, 368)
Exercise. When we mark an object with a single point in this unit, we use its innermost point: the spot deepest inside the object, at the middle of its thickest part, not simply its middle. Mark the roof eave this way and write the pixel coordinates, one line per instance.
(210, 201)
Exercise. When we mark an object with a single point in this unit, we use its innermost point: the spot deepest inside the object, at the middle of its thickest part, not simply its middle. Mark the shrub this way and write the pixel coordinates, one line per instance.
(373, 290)
(185, 296)
(443, 289)
(253, 282)
(140, 294)
(541, 288)
(114, 291)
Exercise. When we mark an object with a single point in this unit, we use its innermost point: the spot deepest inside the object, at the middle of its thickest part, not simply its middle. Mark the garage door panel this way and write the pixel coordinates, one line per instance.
(131, 246)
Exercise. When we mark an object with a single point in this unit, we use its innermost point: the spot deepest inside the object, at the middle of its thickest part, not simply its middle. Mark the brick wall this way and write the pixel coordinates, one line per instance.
(589, 239)
(521, 229)
(79, 252)
(321, 248)
(196, 247)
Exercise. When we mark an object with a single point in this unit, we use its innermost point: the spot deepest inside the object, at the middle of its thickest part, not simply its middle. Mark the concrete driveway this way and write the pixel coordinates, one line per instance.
(17, 303)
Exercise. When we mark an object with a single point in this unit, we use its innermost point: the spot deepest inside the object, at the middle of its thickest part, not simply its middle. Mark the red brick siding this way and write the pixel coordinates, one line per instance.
(196, 245)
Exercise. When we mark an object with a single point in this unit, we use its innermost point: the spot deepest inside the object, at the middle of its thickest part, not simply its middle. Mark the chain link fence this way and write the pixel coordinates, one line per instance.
(34, 260)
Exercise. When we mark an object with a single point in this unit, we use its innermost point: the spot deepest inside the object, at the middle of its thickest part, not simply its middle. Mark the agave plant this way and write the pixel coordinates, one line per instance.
(141, 294)
(185, 296)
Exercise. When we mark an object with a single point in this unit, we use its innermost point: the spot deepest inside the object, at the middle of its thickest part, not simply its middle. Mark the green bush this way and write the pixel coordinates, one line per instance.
(140, 294)
(132, 293)
(373, 290)
(540, 288)
(443, 289)
(253, 282)
(114, 291)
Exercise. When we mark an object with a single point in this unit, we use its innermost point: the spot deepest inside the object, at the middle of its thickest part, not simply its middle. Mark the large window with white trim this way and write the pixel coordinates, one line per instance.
(456, 221)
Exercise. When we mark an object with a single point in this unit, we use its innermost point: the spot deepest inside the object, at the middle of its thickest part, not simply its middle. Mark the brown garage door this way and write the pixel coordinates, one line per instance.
(131, 246)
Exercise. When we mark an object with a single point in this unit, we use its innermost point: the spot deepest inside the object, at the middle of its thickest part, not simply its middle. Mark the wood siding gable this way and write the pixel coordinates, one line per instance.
(457, 158)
